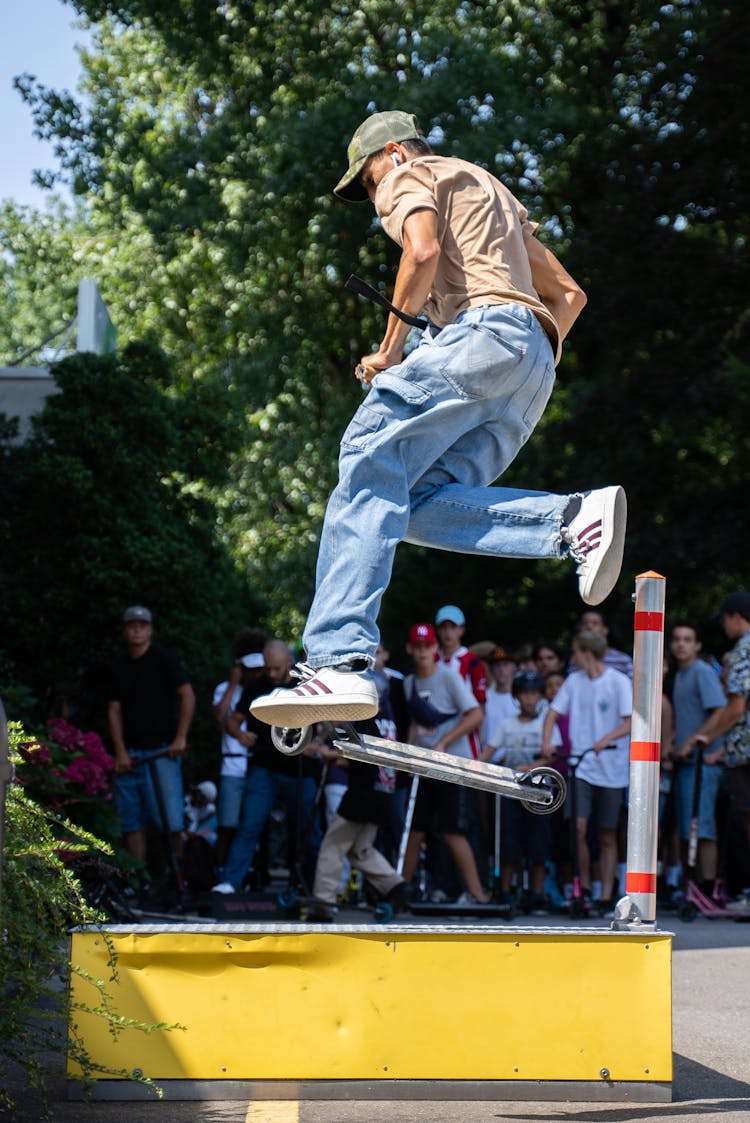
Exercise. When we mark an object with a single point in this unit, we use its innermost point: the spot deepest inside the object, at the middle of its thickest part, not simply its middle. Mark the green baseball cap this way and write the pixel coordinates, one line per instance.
(372, 136)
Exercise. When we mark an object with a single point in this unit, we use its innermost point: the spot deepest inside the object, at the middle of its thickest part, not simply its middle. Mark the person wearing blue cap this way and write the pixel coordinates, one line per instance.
(441, 424)
(450, 625)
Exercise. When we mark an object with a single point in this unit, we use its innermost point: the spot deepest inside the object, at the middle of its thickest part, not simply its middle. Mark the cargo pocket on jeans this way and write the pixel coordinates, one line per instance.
(394, 399)
(365, 422)
(410, 392)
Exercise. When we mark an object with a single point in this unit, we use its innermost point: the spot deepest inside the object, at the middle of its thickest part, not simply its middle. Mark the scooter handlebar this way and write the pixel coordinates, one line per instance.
(575, 758)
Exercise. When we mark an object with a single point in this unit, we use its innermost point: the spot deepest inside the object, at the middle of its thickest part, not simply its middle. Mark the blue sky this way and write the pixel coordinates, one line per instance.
(36, 37)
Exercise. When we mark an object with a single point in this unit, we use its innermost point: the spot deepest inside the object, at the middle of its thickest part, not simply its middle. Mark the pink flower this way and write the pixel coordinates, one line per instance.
(64, 734)
(92, 746)
(85, 773)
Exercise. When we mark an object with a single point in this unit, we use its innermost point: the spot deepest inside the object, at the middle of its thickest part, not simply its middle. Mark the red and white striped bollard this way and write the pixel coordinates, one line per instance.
(638, 906)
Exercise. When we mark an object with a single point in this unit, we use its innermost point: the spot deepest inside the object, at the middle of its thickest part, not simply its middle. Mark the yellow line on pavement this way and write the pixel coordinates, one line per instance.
(273, 1111)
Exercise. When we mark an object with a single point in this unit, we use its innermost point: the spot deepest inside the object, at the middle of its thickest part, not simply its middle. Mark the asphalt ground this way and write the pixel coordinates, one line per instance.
(711, 1041)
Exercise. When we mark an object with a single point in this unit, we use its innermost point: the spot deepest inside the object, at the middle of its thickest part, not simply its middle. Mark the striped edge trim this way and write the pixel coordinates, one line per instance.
(649, 751)
(649, 622)
(640, 882)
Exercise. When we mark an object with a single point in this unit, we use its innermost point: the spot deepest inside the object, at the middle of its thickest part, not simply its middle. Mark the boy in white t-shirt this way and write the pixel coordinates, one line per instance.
(599, 700)
(517, 743)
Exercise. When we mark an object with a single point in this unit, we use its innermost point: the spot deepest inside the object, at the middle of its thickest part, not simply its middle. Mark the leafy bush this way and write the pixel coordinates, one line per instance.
(42, 899)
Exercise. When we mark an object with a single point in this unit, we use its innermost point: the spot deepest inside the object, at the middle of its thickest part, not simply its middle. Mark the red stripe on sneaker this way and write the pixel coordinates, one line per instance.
(587, 530)
(313, 688)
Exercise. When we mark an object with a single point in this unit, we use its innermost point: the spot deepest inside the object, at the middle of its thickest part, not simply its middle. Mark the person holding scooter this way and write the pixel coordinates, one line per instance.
(599, 702)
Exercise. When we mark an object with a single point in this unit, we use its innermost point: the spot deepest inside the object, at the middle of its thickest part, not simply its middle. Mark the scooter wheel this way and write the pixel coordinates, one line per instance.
(577, 907)
(687, 911)
(287, 899)
(383, 913)
(291, 742)
(550, 780)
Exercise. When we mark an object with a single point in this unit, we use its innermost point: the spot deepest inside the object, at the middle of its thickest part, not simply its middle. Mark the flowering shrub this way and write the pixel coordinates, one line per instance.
(69, 772)
(42, 898)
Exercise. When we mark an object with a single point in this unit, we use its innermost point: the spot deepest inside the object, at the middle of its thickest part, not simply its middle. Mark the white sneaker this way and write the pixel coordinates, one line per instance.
(468, 899)
(596, 536)
(328, 694)
(740, 904)
(223, 887)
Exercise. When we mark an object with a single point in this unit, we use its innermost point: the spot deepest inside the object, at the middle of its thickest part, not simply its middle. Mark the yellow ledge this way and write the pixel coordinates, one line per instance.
(292, 1002)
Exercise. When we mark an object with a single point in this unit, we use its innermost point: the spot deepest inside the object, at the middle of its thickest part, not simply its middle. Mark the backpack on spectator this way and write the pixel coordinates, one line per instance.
(423, 712)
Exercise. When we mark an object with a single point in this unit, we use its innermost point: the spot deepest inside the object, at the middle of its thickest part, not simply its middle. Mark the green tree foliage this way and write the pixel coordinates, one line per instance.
(38, 277)
(111, 502)
(206, 152)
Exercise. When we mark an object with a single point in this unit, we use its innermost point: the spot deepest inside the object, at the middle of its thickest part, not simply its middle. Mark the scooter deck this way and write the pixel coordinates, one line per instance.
(531, 787)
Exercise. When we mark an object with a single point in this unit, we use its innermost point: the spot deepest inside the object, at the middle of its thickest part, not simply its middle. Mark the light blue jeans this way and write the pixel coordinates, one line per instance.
(415, 464)
(262, 789)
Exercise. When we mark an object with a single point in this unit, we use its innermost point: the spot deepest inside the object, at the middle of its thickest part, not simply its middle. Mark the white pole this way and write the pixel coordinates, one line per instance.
(638, 906)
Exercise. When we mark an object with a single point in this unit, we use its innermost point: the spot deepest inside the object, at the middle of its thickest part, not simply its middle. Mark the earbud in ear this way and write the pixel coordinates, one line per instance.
(395, 159)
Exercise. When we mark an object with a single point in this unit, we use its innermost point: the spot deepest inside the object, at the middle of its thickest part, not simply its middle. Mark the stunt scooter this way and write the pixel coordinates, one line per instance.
(541, 789)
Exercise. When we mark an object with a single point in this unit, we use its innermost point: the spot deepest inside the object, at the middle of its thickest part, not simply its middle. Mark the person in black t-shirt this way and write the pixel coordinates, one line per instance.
(150, 708)
(272, 776)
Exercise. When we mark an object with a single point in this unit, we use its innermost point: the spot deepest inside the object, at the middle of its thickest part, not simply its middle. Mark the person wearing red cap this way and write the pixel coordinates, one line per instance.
(443, 714)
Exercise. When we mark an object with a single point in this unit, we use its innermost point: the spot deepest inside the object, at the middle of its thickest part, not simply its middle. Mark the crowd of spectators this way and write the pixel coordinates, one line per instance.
(565, 706)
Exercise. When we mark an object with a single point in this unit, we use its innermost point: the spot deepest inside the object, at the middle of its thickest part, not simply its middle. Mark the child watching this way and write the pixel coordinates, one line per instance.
(517, 743)
(599, 700)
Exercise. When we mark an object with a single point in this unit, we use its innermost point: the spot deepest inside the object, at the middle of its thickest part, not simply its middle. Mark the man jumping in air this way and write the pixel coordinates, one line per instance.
(439, 426)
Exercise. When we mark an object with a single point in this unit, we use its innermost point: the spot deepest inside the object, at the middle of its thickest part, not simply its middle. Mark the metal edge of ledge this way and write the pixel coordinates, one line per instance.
(570, 1091)
(240, 928)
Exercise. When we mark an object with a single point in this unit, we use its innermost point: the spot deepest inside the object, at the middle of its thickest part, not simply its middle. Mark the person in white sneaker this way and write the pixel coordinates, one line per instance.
(441, 424)
(732, 718)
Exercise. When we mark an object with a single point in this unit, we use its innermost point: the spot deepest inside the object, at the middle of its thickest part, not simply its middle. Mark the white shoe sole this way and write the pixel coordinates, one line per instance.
(596, 587)
(294, 713)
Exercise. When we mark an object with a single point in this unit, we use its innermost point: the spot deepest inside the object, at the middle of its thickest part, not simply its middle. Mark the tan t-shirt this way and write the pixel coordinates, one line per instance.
(482, 229)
